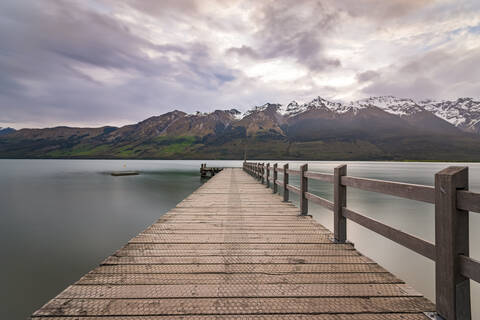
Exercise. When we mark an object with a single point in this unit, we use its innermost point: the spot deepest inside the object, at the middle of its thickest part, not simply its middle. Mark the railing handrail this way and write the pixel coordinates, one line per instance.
(452, 202)
(466, 200)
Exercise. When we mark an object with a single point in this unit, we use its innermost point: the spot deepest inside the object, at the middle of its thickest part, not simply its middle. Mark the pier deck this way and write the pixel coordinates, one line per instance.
(234, 250)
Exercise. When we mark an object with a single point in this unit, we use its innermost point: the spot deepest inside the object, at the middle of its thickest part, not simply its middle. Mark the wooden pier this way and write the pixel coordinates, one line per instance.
(208, 172)
(235, 250)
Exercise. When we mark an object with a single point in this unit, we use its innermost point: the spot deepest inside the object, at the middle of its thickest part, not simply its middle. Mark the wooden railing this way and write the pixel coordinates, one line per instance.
(452, 200)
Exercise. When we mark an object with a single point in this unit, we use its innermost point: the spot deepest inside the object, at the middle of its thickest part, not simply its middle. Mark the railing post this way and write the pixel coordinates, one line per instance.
(339, 202)
(275, 176)
(285, 182)
(452, 290)
(303, 189)
(262, 172)
(268, 175)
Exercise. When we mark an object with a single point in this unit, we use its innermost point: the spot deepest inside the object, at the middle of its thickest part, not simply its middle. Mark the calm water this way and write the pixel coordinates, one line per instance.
(61, 218)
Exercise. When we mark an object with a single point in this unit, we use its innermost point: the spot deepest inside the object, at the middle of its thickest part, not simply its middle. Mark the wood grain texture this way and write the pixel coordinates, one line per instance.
(398, 189)
(451, 240)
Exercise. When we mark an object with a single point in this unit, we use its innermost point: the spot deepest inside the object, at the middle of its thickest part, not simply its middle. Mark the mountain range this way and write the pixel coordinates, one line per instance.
(376, 128)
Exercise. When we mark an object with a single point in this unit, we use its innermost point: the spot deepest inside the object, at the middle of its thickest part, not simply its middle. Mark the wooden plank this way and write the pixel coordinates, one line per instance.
(418, 245)
(231, 252)
(293, 172)
(236, 278)
(356, 316)
(470, 268)
(228, 306)
(240, 268)
(293, 188)
(319, 176)
(467, 200)
(273, 247)
(319, 200)
(398, 189)
(237, 260)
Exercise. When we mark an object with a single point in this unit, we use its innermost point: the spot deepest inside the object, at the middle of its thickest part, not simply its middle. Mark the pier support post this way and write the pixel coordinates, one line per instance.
(262, 172)
(268, 175)
(285, 182)
(275, 176)
(339, 202)
(303, 189)
(452, 290)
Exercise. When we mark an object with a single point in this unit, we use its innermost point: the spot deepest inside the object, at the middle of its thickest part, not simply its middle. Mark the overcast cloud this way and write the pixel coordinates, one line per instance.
(112, 62)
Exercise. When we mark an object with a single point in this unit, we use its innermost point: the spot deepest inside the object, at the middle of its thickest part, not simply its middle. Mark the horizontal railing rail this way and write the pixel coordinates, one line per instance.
(450, 196)
(293, 188)
(319, 176)
(418, 245)
(290, 171)
(467, 200)
(319, 200)
(398, 189)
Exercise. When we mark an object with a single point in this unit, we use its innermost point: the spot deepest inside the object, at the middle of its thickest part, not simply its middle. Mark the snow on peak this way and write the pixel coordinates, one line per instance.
(318, 103)
(237, 115)
(390, 104)
(263, 107)
(289, 108)
(463, 112)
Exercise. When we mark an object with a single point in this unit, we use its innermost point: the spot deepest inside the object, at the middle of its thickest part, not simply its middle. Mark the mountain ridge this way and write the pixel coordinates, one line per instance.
(375, 128)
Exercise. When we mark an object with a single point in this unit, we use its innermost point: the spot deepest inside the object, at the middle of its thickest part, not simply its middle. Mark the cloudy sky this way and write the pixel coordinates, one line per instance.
(98, 62)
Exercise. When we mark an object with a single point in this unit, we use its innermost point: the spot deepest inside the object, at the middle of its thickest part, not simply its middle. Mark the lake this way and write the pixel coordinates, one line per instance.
(61, 218)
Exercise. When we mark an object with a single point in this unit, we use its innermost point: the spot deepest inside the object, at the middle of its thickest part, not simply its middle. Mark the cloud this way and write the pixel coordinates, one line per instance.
(367, 76)
(114, 62)
(441, 74)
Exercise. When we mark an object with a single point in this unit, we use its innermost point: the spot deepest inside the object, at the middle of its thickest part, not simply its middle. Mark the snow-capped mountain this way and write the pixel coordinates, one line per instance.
(390, 104)
(463, 113)
(376, 128)
(319, 103)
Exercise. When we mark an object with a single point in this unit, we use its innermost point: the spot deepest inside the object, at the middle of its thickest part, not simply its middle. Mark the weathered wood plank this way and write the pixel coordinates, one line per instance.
(236, 259)
(413, 243)
(470, 268)
(231, 252)
(241, 268)
(228, 306)
(319, 200)
(319, 176)
(237, 290)
(235, 278)
(293, 188)
(356, 316)
(398, 189)
(469, 201)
